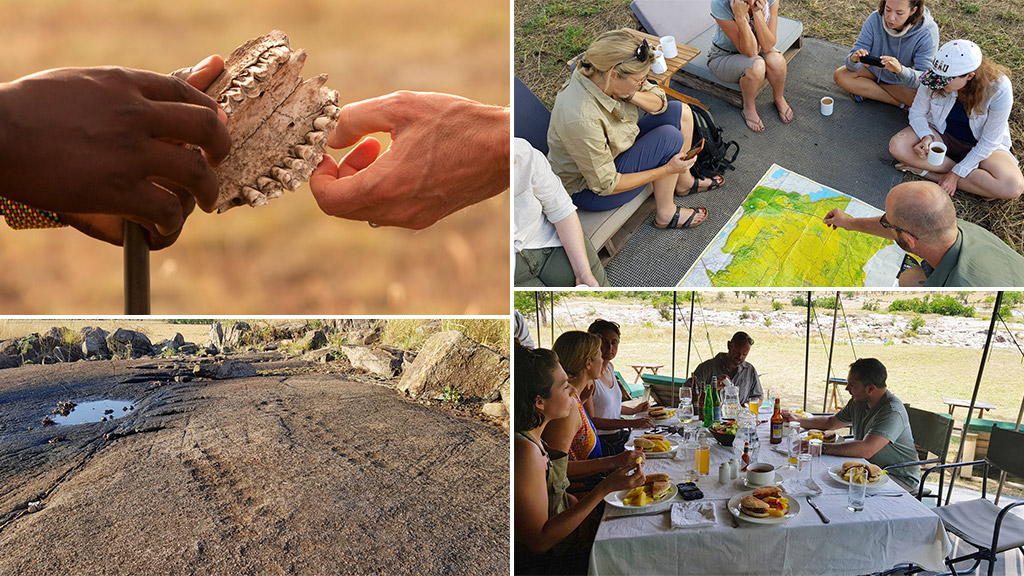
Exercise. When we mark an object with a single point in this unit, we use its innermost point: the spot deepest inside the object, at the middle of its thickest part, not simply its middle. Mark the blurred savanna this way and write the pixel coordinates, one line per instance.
(287, 257)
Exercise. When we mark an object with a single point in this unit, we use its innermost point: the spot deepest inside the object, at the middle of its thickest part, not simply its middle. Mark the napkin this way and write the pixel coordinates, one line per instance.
(801, 487)
(693, 515)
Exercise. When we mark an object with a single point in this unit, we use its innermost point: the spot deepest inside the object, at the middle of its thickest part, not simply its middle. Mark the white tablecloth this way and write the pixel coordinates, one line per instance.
(887, 532)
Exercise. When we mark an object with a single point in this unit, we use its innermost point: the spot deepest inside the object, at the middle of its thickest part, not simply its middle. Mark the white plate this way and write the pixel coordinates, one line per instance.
(742, 481)
(670, 415)
(615, 499)
(836, 472)
(734, 509)
(667, 454)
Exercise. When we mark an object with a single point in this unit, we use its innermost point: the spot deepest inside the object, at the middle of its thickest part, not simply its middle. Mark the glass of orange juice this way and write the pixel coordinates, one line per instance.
(703, 460)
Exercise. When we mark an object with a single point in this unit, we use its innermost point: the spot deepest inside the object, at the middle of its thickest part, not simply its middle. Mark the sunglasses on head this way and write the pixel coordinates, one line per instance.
(885, 224)
(643, 53)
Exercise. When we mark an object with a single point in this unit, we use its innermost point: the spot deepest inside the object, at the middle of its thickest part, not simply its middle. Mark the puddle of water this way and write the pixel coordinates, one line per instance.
(94, 411)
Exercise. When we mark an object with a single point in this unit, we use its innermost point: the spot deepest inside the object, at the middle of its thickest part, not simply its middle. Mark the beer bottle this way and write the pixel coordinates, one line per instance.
(776, 423)
(708, 409)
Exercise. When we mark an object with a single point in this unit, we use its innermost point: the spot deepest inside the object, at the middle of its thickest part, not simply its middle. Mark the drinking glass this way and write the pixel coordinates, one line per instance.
(858, 489)
(702, 460)
(685, 410)
(805, 463)
(754, 405)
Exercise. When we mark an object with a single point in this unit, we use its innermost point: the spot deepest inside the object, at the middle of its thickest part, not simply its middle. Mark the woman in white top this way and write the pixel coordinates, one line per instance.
(605, 406)
(964, 101)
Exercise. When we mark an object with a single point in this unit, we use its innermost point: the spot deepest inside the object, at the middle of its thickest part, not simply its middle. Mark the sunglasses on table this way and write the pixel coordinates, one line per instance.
(885, 224)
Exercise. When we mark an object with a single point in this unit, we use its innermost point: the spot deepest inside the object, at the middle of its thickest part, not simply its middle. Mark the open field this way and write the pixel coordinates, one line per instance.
(940, 361)
(550, 32)
(288, 257)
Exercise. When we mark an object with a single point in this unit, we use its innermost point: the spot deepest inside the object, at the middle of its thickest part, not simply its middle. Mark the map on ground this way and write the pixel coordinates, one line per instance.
(777, 238)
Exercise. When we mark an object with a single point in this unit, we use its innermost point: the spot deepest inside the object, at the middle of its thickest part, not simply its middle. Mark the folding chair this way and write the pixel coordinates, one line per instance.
(979, 522)
(931, 434)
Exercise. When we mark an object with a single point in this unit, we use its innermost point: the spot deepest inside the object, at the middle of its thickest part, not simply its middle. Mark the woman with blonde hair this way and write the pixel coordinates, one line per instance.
(580, 356)
(904, 37)
(964, 102)
(601, 149)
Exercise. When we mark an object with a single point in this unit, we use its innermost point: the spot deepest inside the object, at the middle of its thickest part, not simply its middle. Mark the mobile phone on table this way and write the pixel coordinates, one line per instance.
(695, 150)
(872, 60)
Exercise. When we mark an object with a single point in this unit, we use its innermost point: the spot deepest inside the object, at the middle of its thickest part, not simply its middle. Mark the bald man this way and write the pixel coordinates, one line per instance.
(920, 218)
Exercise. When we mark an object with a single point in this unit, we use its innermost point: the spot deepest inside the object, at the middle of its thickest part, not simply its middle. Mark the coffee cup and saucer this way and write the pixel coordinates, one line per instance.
(760, 474)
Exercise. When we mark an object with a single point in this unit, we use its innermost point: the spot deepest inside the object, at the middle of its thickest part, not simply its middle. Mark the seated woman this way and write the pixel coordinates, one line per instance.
(553, 530)
(580, 355)
(604, 153)
(551, 249)
(605, 405)
(743, 50)
(902, 34)
(964, 101)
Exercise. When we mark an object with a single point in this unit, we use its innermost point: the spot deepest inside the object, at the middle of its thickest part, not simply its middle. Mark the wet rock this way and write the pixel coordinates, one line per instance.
(47, 421)
(34, 507)
(55, 440)
(94, 343)
(64, 408)
(386, 362)
(129, 343)
(453, 359)
(9, 361)
(313, 340)
(108, 411)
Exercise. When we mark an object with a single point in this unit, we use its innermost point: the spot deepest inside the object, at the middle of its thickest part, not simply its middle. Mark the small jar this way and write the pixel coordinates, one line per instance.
(734, 468)
(724, 473)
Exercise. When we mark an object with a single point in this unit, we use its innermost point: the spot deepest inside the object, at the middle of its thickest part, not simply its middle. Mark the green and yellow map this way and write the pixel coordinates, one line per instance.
(777, 238)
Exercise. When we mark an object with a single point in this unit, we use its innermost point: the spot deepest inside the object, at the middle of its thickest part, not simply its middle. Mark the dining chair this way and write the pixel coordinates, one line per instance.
(978, 522)
(931, 433)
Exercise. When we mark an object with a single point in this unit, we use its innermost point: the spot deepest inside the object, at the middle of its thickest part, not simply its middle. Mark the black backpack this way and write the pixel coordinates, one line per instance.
(714, 159)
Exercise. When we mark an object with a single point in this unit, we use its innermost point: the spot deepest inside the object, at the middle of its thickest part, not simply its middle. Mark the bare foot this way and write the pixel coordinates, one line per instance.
(785, 112)
(753, 121)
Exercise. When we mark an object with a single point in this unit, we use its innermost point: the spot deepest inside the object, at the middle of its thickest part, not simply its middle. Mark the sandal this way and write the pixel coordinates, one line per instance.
(789, 112)
(904, 168)
(759, 125)
(674, 223)
(717, 181)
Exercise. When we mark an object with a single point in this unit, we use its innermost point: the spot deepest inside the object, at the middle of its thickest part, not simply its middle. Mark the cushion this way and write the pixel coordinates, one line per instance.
(975, 520)
(684, 19)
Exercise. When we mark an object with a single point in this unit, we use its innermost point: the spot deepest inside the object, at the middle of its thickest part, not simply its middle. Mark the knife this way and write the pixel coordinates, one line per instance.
(818, 510)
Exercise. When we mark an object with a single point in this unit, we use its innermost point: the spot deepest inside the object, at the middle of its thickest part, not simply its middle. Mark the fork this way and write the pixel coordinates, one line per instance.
(886, 495)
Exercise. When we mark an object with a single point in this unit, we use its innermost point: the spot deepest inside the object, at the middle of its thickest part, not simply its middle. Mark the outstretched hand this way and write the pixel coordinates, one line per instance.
(836, 218)
(446, 153)
(108, 140)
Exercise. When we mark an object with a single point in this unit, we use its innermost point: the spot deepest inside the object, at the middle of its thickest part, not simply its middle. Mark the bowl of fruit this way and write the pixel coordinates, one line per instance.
(724, 432)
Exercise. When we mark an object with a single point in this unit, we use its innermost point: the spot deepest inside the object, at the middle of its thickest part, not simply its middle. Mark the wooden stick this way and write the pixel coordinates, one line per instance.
(136, 270)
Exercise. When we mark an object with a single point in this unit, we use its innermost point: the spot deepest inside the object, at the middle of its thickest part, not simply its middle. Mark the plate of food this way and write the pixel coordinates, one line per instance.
(656, 494)
(766, 505)
(826, 436)
(653, 445)
(661, 413)
(876, 476)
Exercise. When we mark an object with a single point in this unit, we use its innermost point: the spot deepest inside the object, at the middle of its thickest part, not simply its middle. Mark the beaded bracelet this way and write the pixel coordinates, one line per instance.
(22, 217)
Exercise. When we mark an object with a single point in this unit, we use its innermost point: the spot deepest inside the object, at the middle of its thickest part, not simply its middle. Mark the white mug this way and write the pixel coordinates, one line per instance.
(668, 46)
(826, 106)
(936, 153)
(659, 66)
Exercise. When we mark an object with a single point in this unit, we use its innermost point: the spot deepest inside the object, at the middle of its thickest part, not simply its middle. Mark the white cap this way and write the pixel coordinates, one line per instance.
(957, 58)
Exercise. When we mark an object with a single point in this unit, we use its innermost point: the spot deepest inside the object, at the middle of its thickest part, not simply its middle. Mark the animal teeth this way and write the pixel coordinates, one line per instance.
(254, 196)
(317, 138)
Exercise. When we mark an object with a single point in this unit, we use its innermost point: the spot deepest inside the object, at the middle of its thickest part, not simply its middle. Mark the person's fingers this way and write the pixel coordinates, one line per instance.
(325, 173)
(359, 157)
(185, 167)
(193, 125)
(202, 74)
(158, 206)
(168, 88)
(381, 114)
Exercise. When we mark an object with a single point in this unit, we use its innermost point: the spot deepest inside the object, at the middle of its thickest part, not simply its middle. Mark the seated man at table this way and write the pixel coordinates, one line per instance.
(881, 427)
(734, 365)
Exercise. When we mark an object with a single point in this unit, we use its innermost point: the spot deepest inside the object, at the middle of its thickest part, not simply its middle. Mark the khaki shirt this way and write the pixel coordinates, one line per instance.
(588, 130)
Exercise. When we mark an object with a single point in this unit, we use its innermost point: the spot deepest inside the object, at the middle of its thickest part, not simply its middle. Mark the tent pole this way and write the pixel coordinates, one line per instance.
(536, 313)
(552, 296)
(974, 395)
(831, 346)
(807, 348)
(1002, 473)
(689, 336)
(673, 371)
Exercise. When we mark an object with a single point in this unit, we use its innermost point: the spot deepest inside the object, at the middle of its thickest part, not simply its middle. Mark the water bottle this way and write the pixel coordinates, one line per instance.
(716, 400)
(730, 401)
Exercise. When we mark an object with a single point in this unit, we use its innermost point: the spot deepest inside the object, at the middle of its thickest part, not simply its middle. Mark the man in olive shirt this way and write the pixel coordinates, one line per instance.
(881, 427)
(734, 365)
(920, 218)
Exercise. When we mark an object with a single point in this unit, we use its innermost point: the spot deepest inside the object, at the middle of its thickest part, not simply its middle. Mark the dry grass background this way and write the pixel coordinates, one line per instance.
(288, 257)
(549, 32)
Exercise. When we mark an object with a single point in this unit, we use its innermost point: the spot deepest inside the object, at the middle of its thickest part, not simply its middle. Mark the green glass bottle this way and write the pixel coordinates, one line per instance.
(709, 407)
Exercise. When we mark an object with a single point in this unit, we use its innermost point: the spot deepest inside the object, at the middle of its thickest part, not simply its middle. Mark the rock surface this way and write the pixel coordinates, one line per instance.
(384, 362)
(452, 359)
(129, 343)
(94, 343)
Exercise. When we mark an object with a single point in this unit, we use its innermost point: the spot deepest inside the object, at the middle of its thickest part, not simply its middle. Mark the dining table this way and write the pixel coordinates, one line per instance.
(892, 528)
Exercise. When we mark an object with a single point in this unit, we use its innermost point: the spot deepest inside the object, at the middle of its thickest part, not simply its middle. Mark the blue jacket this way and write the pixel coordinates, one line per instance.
(915, 49)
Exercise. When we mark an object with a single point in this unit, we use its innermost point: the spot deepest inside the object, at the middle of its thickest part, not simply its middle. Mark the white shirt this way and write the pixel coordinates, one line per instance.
(991, 127)
(540, 200)
(607, 401)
